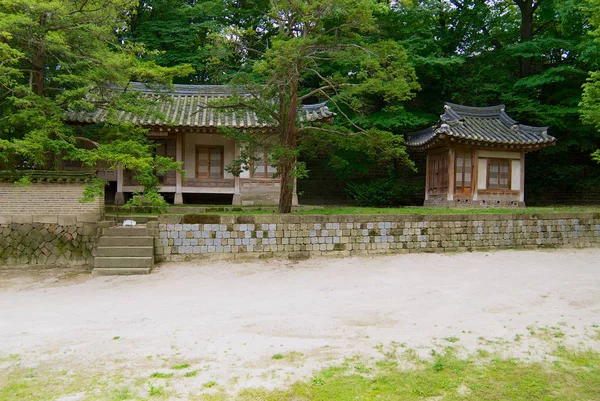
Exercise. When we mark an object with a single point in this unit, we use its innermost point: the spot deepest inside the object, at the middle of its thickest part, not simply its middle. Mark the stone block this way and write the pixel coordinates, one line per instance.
(22, 219)
(66, 220)
(87, 217)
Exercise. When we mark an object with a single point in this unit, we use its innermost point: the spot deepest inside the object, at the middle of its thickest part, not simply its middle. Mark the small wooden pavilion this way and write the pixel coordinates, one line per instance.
(476, 156)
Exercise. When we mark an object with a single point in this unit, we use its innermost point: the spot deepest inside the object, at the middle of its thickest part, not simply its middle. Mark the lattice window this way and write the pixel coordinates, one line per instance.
(463, 170)
(260, 168)
(209, 162)
(498, 174)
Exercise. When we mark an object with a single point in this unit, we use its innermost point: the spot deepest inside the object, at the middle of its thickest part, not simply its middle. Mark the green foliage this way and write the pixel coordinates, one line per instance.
(93, 190)
(160, 375)
(64, 56)
(385, 68)
(154, 391)
(384, 192)
(447, 377)
(320, 51)
(192, 32)
(590, 102)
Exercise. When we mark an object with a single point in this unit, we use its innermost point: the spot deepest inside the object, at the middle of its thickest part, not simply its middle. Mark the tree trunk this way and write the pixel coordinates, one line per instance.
(39, 63)
(527, 9)
(286, 192)
(288, 141)
(38, 68)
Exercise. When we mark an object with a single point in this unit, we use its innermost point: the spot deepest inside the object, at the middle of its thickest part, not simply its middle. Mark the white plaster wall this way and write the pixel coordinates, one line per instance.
(482, 174)
(515, 183)
(189, 151)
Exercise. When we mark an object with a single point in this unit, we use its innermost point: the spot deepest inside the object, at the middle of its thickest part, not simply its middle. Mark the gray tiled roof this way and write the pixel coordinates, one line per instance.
(482, 126)
(187, 107)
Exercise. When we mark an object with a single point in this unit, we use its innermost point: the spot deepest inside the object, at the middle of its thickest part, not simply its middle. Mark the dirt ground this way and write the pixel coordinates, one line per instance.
(227, 319)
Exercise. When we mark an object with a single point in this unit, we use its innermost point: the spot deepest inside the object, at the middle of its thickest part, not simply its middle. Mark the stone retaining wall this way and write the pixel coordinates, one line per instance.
(44, 223)
(178, 237)
(67, 241)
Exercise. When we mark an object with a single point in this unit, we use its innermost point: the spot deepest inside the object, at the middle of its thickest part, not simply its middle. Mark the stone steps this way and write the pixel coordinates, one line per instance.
(123, 261)
(106, 241)
(135, 231)
(139, 219)
(124, 251)
(120, 271)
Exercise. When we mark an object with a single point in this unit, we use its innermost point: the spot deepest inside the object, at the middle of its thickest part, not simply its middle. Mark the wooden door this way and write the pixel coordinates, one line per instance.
(209, 162)
(463, 170)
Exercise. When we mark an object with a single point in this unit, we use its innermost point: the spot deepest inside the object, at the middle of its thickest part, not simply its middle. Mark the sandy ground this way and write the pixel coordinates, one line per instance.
(227, 319)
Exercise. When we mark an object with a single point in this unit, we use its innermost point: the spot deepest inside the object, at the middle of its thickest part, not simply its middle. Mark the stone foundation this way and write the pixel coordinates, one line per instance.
(467, 202)
(179, 237)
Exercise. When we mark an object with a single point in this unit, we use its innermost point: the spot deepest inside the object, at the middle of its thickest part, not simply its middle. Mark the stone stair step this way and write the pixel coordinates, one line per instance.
(123, 262)
(143, 219)
(125, 251)
(120, 271)
(119, 240)
(134, 231)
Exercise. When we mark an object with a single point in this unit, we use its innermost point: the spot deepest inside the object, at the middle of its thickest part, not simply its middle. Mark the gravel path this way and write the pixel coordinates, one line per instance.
(227, 319)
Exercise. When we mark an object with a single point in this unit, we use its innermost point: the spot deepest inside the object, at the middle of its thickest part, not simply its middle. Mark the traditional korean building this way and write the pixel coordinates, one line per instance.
(476, 156)
(190, 133)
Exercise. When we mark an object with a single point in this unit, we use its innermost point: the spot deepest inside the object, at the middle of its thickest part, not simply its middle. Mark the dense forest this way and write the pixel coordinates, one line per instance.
(385, 67)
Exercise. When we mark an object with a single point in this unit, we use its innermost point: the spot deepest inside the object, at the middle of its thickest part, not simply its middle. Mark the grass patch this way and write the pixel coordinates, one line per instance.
(191, 373)
(182, 366)
(154, 391)
(412, 210)
(161, 375)
(122, 394)
(446, 377)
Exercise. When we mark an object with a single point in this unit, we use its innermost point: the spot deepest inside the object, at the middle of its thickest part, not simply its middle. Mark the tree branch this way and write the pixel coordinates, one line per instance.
(309, 94)
(330, 131)
(83, 139)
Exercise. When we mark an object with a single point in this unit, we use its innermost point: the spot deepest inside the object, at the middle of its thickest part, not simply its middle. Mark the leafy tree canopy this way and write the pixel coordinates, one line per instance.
(322, 51)
(64, 55)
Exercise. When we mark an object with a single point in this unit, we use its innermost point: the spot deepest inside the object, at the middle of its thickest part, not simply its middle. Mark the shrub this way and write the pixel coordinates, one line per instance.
(381, 192)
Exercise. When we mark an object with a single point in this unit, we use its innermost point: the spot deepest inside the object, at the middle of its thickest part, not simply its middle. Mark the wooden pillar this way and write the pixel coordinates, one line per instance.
(295, 194)
(451, 175)
(119, 196)
(522, 178)
(474, 173)
(427, 173)
(237, 196)
(178, 158)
